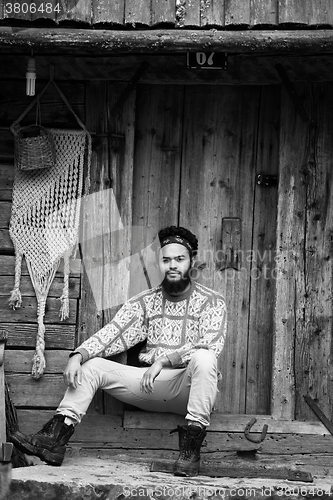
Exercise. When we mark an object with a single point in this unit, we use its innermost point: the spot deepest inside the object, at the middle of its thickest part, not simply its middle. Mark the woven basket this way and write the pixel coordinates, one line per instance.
(34, 147)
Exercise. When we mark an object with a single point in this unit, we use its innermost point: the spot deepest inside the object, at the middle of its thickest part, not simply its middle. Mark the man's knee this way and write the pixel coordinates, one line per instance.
(204, 359)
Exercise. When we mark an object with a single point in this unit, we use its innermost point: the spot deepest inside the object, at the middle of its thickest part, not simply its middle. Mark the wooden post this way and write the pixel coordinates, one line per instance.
(6, 448)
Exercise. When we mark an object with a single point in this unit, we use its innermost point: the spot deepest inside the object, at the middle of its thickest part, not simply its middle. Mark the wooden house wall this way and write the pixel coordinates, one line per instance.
(166, 126)
(176, 13)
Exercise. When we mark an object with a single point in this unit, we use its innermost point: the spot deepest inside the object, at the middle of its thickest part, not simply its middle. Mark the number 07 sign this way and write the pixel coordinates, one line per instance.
(207, 60)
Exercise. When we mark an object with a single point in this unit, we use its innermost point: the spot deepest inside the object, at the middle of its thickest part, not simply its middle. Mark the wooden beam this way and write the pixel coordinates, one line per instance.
(239, 469)
(243, 69)
(226, 423)
(167, 41)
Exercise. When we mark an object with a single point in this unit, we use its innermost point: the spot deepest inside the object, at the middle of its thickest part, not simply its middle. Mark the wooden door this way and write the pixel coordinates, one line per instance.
(198, 150)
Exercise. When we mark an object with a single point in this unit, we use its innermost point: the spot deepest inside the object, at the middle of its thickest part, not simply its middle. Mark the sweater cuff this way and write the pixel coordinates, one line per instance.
(83, 352)
(174, 358)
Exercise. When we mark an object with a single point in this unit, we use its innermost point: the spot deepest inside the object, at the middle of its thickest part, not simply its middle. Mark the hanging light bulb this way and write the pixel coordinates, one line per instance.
(31, 76)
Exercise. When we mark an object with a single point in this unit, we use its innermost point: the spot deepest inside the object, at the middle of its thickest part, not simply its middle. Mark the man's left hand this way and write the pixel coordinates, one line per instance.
(147, 381)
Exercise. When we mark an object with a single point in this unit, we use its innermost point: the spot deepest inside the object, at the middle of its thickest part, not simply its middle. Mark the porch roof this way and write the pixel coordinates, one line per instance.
(226, 14)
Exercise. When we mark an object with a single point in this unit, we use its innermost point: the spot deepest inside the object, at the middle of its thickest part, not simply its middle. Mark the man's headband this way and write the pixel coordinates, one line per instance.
(176, 239)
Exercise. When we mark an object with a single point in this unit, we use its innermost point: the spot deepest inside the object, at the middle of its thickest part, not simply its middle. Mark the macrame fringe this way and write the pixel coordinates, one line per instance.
(41, 286)
(38, 362)
(64, 299)
(15, 300)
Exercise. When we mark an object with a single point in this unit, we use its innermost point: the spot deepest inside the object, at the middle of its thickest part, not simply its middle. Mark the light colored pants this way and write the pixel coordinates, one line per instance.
(189, 391)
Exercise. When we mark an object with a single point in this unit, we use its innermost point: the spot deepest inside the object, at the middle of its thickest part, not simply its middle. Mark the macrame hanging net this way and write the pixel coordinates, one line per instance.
(44, 224)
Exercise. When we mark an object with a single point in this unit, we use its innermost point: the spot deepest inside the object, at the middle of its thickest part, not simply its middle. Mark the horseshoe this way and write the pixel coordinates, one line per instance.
(252, 438)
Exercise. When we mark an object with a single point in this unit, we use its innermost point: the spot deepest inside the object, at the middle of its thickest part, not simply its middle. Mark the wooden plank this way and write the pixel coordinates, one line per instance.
(237, 12)
(156, 173)
(264, 13)
(14, 11)
(21, 361)
(45, 11)
(239, 469)
(298, 12)
(319, 13)
(90, 318)
(212, 13)
(105, 431)
(117, 243)
(163, 12)
(262, 258)
(289, 257)
(224, 422)
(6, 146)
(292, 12)
(6, 244)
(5, 195)
(27, 290)
(7, 267)
(5, 211)
(31, 421)
(314, 319)
(27, 313)
(137, 13)
(187, 14)
(3, 436)
(47, 392)
(75, 11)
(104, 11)
(24, 335)
(217, 142)
(275, 444)
(96, 221)
(6, 176)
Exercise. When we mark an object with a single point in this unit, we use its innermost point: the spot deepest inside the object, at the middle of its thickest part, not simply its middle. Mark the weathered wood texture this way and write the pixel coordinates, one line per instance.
(303, 341)
(218, 175)
(156, 175)
(225, 423)
(24, 335)
(105, 431)
(99, 42)
(107, 212)
(262, 257)
(204, 13)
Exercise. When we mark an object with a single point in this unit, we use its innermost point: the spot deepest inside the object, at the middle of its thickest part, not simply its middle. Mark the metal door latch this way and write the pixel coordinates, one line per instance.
(266, 180)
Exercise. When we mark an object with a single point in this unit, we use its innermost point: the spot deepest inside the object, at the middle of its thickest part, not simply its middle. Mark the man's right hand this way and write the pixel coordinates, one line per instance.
(73, 371)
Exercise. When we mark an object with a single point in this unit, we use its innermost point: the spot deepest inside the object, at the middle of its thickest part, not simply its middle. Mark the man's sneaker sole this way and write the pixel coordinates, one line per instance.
(51, 457)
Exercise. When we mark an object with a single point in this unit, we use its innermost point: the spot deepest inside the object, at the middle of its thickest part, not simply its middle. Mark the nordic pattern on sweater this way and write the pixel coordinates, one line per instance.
(172, 327)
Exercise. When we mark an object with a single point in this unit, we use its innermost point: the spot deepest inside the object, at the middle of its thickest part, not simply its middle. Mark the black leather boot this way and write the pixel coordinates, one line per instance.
(190, 441)
(49, 443)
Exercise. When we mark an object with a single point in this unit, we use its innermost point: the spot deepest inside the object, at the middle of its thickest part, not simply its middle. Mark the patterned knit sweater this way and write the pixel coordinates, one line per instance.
(173, 326)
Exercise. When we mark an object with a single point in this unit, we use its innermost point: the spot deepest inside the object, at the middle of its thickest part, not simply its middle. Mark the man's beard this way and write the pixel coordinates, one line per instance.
(173, 287)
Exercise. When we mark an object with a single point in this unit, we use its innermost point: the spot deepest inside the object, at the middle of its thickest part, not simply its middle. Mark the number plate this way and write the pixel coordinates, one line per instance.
(207, 60)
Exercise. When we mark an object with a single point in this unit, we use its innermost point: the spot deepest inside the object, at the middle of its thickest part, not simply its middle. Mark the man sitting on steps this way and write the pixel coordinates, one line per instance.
(184, 324)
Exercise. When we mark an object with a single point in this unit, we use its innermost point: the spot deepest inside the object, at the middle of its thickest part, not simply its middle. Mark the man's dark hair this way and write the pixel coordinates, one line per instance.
(183, 233)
